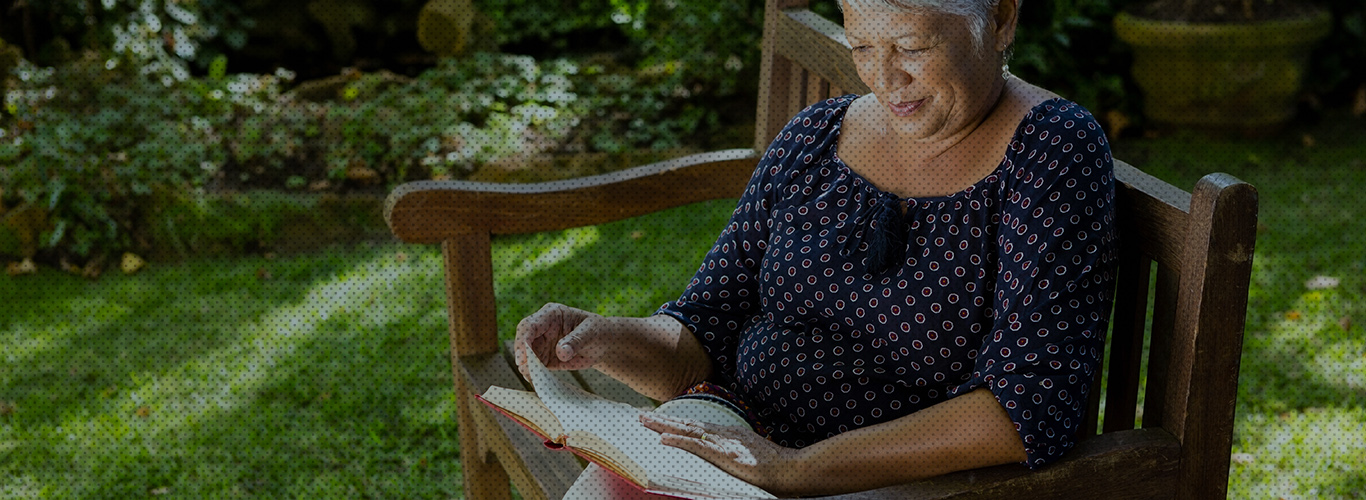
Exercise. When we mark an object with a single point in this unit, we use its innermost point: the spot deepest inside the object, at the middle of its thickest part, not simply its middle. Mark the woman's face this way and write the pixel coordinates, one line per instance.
(929, 82)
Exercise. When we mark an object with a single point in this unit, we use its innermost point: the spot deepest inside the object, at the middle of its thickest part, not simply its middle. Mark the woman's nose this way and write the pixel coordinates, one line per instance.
(890, 76)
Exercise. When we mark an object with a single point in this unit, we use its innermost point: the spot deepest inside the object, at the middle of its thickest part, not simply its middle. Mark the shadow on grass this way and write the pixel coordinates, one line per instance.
(331, 377)
(69, 339)
(210, 381)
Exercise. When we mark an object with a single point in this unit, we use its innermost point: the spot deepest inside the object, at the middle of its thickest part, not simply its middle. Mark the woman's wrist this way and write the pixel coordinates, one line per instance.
(801, 474)
(656, 355)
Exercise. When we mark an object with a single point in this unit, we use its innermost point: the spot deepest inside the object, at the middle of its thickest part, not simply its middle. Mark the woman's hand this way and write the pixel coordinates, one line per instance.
(564, 338)
(735, 449)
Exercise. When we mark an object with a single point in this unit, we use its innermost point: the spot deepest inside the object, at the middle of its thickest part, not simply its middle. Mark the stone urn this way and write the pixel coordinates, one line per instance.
(1243, 75)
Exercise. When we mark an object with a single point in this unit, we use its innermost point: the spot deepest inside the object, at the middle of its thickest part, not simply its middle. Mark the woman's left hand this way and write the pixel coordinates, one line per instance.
(735, 449)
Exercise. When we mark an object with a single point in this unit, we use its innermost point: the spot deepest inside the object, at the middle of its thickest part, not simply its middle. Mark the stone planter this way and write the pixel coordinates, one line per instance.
(1235, 75)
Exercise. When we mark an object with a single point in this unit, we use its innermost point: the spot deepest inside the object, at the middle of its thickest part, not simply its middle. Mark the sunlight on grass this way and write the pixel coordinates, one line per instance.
(327, 372)
(625, 268)
(26, 341)
(1306, 443)
(326, 375)
(524, 258)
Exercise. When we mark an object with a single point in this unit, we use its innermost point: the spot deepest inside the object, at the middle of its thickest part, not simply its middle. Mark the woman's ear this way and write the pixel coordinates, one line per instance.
(1005, 17)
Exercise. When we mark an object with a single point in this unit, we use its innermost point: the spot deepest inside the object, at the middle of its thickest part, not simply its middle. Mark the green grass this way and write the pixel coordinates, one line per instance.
(331, 378)
(328, 378)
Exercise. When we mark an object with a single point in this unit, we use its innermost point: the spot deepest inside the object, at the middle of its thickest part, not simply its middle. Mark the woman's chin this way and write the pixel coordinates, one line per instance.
(912, 127)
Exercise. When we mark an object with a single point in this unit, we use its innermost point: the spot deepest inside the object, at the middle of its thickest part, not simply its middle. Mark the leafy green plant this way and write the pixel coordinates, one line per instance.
(159, 37)
(1068, 47)
(96, 144)
(702, 49)
(706, 47)
(89, 150)
(455, 116)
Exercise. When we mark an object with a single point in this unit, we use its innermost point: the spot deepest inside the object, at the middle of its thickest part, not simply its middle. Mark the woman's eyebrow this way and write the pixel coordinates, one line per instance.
(911, 36)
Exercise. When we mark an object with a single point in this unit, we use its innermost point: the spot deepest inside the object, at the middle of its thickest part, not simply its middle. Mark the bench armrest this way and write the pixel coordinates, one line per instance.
(433, 211)
(1136, 463)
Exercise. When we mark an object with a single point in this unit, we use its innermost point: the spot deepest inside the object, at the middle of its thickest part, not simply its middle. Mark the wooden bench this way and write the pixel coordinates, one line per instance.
(1198, 245)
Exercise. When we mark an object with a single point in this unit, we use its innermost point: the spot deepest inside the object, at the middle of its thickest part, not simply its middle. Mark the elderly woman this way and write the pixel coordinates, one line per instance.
(916, 281)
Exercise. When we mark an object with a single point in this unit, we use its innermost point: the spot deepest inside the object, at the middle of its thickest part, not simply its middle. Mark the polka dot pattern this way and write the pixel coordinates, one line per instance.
(1005, 285)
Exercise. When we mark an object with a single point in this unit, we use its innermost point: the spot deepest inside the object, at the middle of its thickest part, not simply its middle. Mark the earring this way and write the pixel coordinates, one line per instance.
(1005, 61)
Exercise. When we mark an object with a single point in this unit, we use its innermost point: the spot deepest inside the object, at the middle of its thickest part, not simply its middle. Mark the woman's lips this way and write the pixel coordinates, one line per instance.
(905, 108)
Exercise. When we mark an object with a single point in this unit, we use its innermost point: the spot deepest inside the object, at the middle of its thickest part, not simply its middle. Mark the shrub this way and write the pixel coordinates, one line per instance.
(89, 149)
(1068, 46)
(160, 37)
(95, 143)
(453, 117)
(703, 47)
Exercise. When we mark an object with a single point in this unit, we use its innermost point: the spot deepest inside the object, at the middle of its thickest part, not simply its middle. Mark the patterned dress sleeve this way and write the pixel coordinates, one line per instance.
(723, 296)
(1056, 266)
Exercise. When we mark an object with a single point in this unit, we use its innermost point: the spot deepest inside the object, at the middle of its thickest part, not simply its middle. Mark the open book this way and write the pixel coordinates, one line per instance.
(610, 434)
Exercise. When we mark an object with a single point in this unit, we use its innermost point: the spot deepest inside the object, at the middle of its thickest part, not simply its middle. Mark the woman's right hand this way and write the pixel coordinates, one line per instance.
(564, 338)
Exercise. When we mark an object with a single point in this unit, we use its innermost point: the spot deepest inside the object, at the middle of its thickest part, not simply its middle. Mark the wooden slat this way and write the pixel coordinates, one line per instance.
(773, 98)
(510, 358)
(1130, 464)
(538, 472)
(1188, 315)
(817, 43)
(817, 89)
(796, 93)
(1126, 344)
(1208, 334)
(470, 303)
(485, 478)
(432, 211)
(774, 70)
(1155, 210)
(1159, 351)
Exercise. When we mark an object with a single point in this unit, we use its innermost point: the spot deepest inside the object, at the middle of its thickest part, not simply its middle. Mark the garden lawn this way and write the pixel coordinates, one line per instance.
(323, 375)
(328, 374)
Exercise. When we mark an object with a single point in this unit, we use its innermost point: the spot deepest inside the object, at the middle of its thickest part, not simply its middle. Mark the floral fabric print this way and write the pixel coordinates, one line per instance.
(1005, 285)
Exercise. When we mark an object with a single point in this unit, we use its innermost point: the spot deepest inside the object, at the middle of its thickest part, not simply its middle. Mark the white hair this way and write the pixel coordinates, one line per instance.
(976, 13)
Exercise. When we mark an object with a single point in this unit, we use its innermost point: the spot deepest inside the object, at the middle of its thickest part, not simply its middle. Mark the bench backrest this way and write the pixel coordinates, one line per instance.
(1199, 246)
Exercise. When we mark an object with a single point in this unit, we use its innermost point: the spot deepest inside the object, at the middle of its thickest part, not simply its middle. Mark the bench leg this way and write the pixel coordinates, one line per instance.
(485, 478)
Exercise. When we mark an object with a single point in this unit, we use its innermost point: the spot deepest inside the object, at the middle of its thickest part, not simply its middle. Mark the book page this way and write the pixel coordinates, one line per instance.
(528, 409)
(576, 408)
(617, 426)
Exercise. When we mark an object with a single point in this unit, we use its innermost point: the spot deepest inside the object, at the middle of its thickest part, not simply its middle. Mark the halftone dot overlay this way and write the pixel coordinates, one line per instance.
(203, 297)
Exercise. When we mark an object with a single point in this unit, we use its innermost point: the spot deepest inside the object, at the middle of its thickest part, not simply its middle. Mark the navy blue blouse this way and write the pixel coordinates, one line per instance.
(1005, 285)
